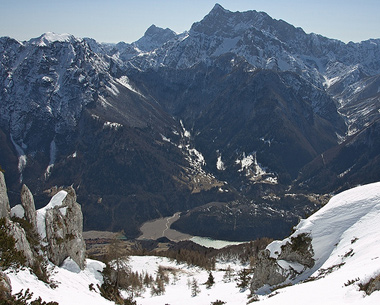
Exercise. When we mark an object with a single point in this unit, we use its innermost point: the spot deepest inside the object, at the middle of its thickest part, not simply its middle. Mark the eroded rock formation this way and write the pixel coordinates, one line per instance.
(59, 225)
(295, 257)
(64, 227)
(27, 202)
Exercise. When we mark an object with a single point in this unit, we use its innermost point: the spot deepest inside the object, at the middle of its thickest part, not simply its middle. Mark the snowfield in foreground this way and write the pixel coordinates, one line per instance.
(346, 241)
(73, 284)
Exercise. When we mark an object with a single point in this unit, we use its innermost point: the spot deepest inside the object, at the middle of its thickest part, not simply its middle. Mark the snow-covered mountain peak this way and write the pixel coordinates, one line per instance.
(223, 22)
(50, 37)
(153, 38)
(155, 30)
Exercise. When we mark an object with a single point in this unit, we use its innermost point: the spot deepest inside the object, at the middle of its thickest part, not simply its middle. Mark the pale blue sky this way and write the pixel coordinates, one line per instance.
(127, 20)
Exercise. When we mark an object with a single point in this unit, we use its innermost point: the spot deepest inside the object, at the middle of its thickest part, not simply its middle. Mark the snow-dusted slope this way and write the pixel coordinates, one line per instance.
(72, 284)
(346, 239)
(346, 243)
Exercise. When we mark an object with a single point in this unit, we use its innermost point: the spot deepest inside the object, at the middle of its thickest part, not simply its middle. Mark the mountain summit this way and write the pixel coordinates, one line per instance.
(242, 114)
(153, 38)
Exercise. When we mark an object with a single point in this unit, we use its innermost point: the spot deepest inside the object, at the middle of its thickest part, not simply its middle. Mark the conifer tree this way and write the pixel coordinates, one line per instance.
(244, 279)
(227, 276)
(194, 288)
(210, 281)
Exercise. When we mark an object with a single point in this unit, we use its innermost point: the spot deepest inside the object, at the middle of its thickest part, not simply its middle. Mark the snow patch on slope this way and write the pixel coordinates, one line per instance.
(51, 37)
(254, 170)
(56, 200)
(53, 152)
(72, 283)
(345, 240)
(21, 157)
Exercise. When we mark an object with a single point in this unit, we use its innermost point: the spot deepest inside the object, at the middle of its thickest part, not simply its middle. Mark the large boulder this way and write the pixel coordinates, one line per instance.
(4, 201)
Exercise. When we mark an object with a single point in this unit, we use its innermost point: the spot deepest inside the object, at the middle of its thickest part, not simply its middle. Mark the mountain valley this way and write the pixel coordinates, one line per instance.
(244, 123)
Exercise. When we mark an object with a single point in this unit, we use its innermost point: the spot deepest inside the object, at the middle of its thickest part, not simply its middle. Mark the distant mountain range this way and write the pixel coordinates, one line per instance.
(244, 123)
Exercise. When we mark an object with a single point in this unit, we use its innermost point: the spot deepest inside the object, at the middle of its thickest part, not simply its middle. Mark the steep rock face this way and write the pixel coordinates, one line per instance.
(4, 201)
(64, 226)
(59, 224)
(74, 118)
(355, 161)
(265, 43)
(22, 243)
(27, 202)
(14, 229)
(284, 119)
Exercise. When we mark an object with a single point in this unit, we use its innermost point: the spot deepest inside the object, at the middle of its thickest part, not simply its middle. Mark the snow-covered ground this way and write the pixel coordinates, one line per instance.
(72, 284)
(346, 241)
(178, 291)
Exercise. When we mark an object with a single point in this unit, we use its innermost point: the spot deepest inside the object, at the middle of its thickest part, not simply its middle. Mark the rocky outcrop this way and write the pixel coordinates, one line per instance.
(59, 225)
(64, 227)
(296, 256)
(4, 201)
(14, 229)
(5, 287)
(27, 202)
(372, 286)
(22, 244)
(299, 250)
(267, 272)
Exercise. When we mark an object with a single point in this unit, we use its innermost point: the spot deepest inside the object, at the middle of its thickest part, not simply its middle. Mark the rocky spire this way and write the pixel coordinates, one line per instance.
(27, 202)
(64, 227)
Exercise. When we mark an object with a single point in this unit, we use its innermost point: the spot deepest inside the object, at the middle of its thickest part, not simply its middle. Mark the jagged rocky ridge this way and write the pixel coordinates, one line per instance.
(59, 225)
(237, 111)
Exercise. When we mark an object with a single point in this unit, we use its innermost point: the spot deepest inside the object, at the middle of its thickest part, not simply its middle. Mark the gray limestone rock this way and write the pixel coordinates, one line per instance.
(267, 272)
(22, 243)
(64, 228)
(299, 250)
(4, 201)
(27, 202)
